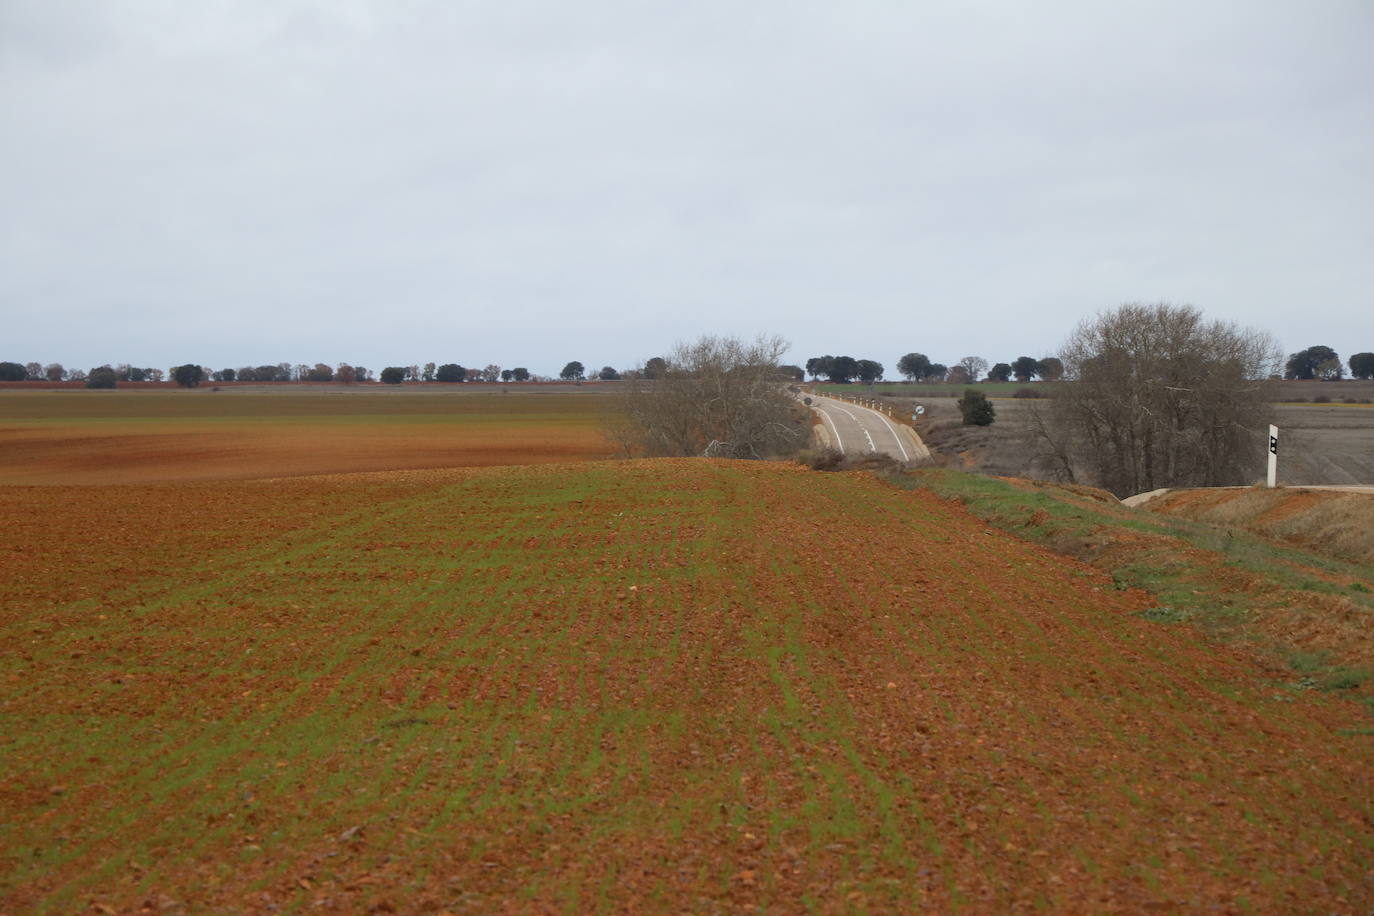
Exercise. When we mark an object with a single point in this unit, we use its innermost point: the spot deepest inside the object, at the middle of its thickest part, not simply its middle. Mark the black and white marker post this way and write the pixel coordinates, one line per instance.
(1273, 455)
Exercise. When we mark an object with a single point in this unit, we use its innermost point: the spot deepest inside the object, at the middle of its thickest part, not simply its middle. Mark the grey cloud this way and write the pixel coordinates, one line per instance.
(532, 182)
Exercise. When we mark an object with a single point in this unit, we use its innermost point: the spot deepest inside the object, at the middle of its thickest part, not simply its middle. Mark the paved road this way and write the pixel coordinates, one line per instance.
(856, 430)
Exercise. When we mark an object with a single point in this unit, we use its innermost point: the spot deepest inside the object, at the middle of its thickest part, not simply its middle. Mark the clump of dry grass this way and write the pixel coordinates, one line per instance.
(1332, 522)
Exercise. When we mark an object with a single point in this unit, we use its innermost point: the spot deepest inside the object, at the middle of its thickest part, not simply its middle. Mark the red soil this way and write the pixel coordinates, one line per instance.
(643, 686)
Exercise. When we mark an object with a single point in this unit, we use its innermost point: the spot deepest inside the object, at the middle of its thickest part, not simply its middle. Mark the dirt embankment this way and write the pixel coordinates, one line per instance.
(1333, 522)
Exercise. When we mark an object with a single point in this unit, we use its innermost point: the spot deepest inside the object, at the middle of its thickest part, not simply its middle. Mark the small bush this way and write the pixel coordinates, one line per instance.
(821, 459)
(1025, 393)
(1322, 399)
(977, 410)
(829, 459)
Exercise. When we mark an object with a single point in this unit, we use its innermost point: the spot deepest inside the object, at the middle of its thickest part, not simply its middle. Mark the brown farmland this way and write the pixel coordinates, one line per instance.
(657, 685)
(144, 436)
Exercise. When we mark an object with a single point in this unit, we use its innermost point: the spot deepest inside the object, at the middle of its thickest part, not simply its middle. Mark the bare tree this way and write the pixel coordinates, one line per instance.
(975, 366)
(719, 397)
(1161, 397)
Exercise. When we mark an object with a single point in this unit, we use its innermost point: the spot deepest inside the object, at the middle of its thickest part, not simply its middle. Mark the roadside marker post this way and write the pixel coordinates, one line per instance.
(1273, 456)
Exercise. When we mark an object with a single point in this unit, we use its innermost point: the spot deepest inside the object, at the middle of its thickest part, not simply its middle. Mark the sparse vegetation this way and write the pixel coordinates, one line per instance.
(718, 397)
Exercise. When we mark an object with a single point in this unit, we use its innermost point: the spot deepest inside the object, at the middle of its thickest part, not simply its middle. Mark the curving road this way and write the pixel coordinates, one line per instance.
(858, 430)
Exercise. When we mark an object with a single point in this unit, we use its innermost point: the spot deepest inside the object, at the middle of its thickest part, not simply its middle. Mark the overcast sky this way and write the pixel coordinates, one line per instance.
(527, 182)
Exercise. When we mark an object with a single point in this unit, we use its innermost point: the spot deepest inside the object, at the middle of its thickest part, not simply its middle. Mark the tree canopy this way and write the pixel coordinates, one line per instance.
(1312, 363)
(869, 371)
(1049, 368)
(818, 366)
(187, 376)
(1161, 398)
(842, 369)
(1025, 368)
(914, 366)
(450, 372)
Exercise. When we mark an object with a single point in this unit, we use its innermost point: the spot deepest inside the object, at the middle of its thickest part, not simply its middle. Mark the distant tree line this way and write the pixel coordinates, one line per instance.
(917, 367)
(191, 375)
(56, 372)
(1316, 362)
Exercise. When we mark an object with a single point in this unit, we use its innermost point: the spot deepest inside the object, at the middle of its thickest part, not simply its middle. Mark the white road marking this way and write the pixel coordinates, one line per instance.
(862, 428)
(838, 441)
(871, 446)
(905, 456)
(823, 401)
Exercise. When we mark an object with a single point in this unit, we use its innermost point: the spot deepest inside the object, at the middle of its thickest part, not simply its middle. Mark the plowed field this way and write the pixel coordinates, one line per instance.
(660, 685)
(142, 436)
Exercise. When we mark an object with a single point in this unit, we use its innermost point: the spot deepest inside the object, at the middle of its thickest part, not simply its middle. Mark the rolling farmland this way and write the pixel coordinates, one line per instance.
(147, 436)
(635, 685)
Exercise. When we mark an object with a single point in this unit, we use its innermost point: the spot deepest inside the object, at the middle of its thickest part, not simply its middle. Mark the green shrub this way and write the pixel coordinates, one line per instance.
(976, 408)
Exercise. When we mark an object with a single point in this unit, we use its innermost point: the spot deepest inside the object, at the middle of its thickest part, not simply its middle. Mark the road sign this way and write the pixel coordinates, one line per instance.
(917, 412)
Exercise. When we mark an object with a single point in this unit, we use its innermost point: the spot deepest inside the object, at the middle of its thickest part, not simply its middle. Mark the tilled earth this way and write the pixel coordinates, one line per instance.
(657, 685)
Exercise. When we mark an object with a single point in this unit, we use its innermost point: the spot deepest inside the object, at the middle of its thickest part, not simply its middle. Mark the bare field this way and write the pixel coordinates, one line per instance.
(1326, 444)
(1322, 444)
(630, 686)
(140, 436)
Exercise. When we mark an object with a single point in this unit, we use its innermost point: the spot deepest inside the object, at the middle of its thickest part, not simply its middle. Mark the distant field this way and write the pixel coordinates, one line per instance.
(631, 686)
(124, 436)
(1322, 443)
